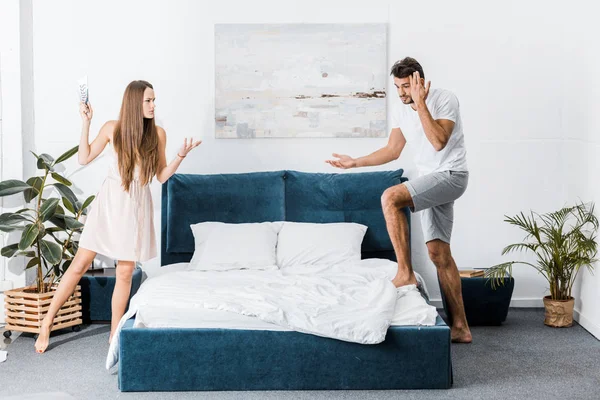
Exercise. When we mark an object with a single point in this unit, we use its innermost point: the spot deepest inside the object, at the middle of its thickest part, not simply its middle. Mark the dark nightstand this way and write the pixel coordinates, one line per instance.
(96, 293)
(483, 305)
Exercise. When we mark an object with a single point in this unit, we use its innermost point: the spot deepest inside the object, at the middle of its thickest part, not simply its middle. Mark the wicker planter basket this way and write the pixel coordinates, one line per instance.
(25, 309)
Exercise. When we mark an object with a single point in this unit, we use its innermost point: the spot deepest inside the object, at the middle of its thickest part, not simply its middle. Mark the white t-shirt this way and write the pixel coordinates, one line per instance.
(442, 104)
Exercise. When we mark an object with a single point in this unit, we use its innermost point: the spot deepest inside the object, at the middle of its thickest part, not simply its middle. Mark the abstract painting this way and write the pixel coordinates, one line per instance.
(300, 80)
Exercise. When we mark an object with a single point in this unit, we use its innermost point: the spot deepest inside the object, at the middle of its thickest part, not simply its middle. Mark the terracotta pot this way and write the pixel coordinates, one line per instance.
(559, 313)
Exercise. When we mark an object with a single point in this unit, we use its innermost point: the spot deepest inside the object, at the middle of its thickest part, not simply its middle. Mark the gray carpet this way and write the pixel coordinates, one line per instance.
(522, 359)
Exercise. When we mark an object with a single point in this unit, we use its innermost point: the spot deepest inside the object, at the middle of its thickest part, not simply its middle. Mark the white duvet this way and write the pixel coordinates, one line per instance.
(355, 303)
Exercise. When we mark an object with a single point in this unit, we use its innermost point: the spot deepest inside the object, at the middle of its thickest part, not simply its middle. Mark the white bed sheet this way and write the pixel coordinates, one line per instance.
(410, 310)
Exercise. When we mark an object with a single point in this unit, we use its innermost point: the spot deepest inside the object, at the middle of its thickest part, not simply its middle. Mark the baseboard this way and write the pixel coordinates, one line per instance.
(437, 303)
(514, 303)
(534, 302)
(587, 324)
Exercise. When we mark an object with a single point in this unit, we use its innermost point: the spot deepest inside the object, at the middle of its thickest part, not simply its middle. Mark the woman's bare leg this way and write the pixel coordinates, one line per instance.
(82, 261)
(121, 293)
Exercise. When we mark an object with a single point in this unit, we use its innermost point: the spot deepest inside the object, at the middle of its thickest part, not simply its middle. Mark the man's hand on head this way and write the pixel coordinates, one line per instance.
(418, 92)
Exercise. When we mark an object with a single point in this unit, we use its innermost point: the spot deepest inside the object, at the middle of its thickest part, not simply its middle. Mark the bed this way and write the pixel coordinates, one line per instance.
(220, 358)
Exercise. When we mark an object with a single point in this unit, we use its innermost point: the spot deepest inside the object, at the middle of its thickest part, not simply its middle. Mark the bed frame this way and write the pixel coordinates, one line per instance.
(174, 359)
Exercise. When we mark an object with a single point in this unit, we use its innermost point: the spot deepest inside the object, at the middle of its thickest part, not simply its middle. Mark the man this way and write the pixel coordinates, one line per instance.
(429, 120)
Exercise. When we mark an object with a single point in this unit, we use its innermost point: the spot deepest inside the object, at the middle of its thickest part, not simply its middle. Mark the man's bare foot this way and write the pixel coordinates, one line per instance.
(44, 336)
(403, 281)
(461, 335)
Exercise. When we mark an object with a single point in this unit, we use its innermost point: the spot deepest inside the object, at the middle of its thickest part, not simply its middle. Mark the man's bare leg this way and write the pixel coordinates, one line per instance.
(440, 254)
(392, 201)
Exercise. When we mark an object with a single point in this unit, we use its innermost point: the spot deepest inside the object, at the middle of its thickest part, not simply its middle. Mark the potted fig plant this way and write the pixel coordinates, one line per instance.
(47, 240)
(563, 242)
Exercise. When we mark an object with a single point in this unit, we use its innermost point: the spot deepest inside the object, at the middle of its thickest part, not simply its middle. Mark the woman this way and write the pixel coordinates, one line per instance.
(120, 222)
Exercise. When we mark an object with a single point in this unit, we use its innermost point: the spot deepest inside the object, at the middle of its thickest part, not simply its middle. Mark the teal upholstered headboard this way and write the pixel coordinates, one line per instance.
(275, 196)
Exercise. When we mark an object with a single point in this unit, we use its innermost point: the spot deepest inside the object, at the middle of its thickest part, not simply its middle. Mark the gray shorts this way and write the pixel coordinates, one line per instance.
(434, 195)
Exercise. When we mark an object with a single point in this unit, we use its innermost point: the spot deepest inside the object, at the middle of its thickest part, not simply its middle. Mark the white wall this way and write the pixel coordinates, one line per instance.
(11, 155)
(501, 60)
(582, 147)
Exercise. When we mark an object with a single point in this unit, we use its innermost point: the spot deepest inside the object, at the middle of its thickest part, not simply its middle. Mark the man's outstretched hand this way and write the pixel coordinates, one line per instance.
(343, 161)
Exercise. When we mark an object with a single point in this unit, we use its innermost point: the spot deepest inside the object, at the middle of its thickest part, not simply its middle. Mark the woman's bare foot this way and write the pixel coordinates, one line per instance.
(403, 281)
(461, 335)
(44, 336)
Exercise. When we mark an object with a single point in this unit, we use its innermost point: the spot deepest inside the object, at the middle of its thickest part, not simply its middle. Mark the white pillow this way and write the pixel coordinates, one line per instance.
(201, 231)
(316, 244)
(220, 246)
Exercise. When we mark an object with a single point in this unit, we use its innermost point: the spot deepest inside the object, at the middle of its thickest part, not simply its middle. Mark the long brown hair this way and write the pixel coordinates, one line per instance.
(135, 138)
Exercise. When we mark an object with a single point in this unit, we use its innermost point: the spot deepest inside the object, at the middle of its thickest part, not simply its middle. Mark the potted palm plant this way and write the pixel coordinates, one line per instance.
(563, 242)
(47, 240)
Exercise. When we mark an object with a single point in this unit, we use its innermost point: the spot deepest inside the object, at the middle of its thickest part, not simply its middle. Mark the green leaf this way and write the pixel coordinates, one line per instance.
(72, 223)
(42, 232)
(29, 195)
(68, 205)
(11, 228)
(66, 265)
(34, 262)
(12, 219)
(48, 209)
(9, 250)
(12, 186)
(67, 154)
(54, 229)
(51, 252)
(57, 240)
(26, 253)
(61, 179)
(87, 202)
(59, 221)
(29, 235)
(66, 192)
(45, 161)
(36, 183)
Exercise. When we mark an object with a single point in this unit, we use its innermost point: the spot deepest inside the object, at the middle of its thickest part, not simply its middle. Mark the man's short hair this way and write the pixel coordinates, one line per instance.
(406, 67)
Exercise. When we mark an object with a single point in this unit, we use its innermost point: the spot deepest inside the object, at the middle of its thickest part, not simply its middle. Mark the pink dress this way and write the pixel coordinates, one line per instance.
(120, 224)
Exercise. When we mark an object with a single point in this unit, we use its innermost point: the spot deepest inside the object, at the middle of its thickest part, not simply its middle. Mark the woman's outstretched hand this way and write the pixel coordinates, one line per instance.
(188, 146)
